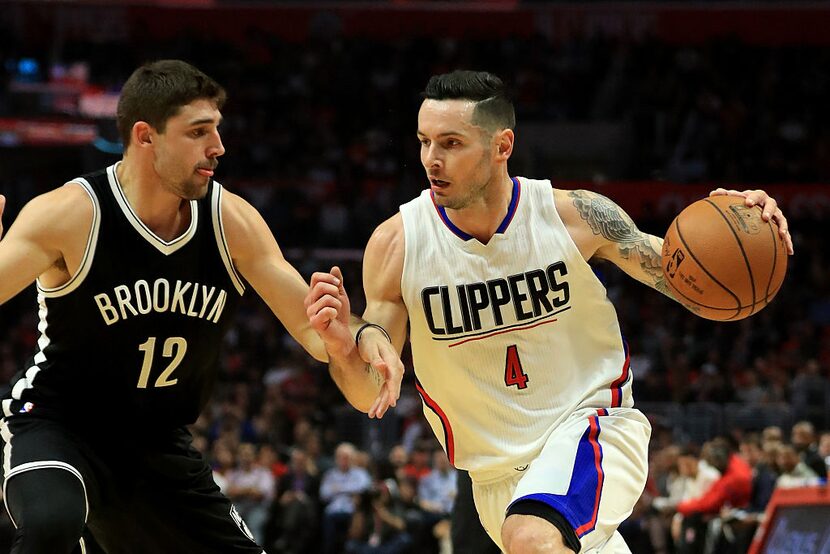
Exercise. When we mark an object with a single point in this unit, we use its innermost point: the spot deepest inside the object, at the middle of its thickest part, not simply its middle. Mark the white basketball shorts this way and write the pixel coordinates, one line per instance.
(592, 470)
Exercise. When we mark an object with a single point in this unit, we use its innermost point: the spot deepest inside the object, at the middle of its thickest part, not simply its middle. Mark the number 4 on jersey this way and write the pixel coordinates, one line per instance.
(513, 372)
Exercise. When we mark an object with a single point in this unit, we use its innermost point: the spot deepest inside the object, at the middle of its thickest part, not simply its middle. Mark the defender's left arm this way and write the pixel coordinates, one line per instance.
(258, 258)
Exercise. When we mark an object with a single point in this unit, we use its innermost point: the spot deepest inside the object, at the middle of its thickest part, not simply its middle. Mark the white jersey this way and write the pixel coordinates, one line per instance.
(508, 338)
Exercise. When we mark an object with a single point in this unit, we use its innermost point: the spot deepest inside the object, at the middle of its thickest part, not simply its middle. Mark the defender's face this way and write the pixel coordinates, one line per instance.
(455, 153)
(187, 152)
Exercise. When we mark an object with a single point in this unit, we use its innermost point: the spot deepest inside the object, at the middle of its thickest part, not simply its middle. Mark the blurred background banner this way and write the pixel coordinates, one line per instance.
(653, 104)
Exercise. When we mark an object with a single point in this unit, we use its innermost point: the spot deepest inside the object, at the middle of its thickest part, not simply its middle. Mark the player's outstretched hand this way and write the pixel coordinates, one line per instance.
(328, 310)
(2, 207)
(769, 206)
(377, 351)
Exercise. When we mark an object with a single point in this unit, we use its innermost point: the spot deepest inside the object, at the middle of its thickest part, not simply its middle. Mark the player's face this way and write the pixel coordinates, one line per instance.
(187, 153)
(456, 154)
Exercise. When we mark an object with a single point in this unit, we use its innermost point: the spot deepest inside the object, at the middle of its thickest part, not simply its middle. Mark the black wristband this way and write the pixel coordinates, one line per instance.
(366, 326)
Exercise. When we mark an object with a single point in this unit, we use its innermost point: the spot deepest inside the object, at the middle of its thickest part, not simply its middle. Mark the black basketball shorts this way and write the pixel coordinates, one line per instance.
(153, 494)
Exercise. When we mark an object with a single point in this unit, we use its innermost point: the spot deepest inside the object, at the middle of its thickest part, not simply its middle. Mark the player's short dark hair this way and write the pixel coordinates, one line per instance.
(494, 109)
(156, 91)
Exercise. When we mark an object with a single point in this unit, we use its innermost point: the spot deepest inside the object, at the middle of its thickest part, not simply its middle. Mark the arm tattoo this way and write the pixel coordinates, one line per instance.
(375, 375)
(609, 220)
(605, 217)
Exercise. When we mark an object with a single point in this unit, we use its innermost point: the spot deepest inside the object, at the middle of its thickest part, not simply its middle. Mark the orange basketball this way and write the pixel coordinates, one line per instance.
(722, 260)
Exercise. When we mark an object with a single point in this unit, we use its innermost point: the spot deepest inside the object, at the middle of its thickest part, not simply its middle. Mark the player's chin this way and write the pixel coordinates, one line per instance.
(196, 190)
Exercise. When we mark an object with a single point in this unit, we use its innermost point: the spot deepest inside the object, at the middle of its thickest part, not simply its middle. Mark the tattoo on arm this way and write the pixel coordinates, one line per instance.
(609, 220)
(376, 377)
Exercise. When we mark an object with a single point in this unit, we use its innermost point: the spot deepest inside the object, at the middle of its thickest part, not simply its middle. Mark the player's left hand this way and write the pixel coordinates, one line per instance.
(377, 351)
(328, 310)
(768, 205)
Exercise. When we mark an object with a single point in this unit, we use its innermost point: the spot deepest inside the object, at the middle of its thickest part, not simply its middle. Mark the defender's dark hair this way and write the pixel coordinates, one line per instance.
(493, 111)
(156, 91)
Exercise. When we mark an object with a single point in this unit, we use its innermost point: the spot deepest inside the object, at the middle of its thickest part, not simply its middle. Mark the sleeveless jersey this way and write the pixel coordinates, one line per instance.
(508, 338)
(133, 338)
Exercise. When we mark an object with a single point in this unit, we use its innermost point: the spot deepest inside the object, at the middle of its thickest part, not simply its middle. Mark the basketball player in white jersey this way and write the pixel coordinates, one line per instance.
(519, 359)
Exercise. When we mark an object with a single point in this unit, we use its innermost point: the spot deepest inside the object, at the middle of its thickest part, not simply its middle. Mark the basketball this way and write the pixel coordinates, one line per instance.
(721, 260)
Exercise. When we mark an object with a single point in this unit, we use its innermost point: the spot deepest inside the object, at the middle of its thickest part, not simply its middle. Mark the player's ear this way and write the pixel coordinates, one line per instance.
(142, 133)
(504, 143)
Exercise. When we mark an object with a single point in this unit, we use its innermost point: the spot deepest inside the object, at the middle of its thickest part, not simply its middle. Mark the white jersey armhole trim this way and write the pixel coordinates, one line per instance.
(221, 242)
(89, 252)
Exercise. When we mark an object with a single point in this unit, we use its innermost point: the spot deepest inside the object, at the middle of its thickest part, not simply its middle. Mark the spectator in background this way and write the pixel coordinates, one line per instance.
(733, 488)
(794, 472)
(436, 492)
(251, 489)
(418, 466)
(437, 489)
(341, 485)
(772, 434)
(764, 474)
(739, 525)
(295, 511)
(378, 525)
(803, 439)
(393, 466)
(414, 516)
(810, 393)
(223, 462)
(695, 477)
(663, 491)
(824, 448)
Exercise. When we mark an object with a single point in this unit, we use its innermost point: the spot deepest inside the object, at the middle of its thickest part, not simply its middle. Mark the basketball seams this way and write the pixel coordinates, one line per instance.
(712, 244)
(701, 266)
(740, 245)
(762, 301)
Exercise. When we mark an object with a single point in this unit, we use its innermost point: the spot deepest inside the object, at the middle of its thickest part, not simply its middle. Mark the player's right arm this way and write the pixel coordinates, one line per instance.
(50, 232)
(372, 387)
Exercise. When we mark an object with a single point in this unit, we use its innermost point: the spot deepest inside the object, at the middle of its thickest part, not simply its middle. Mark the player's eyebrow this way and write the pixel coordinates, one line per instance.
(204, 121)
(444, 134)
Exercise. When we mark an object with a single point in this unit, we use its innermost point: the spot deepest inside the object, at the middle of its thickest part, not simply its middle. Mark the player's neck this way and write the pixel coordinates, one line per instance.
(482, 218)
(165, 213)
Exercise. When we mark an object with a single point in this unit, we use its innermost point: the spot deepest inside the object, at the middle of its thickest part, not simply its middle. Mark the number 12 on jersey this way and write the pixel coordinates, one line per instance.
(513, 372)
(174, 347)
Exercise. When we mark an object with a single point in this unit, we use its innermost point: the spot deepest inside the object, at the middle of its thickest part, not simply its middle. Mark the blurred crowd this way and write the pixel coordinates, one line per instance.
(710, 498)
(321, 138)
(323, 132)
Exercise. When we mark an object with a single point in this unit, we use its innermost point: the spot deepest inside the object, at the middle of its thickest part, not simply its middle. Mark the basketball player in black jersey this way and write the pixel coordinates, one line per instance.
(139, 270)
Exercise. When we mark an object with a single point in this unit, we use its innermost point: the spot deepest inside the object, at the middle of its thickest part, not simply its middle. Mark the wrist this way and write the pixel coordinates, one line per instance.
(370, 328)
(339, 349)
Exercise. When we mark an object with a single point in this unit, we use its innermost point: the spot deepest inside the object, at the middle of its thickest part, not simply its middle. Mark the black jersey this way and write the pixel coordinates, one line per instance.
(134, 337)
